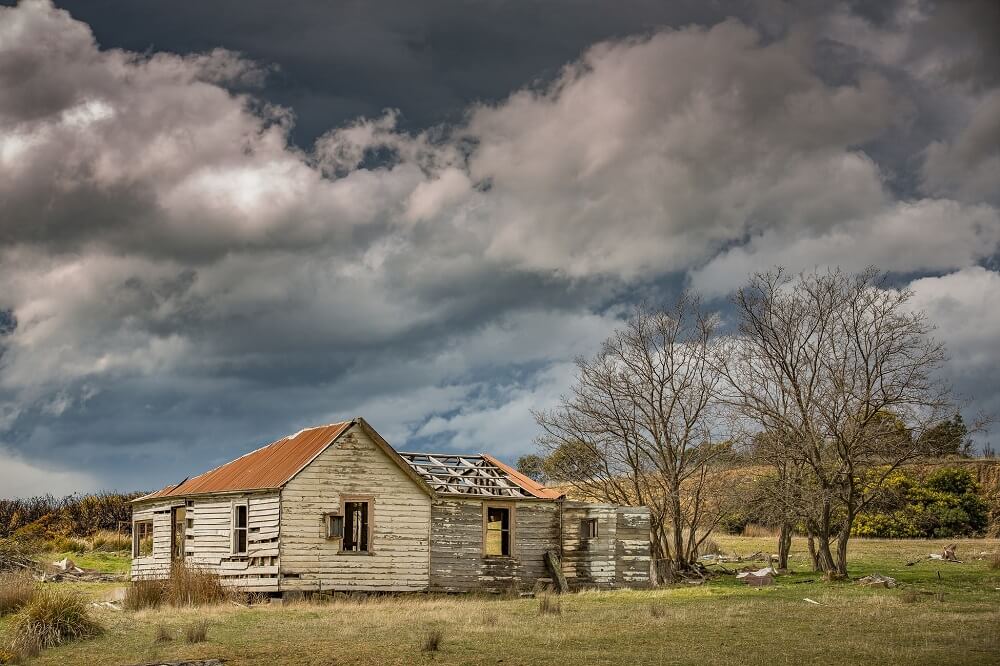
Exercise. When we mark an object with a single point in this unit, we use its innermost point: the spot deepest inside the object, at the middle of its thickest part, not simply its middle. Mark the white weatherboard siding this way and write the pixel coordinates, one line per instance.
(401, 514)
(209, 539)
(156, 565)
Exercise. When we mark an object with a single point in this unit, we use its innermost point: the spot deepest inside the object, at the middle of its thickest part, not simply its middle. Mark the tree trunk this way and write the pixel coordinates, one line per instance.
(677, 530)
(660, 552)
(842, 539)
(784, 545)
(813, 554)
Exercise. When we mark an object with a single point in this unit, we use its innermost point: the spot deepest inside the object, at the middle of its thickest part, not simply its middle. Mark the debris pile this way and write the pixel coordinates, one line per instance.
(66, 570)
(877, 580)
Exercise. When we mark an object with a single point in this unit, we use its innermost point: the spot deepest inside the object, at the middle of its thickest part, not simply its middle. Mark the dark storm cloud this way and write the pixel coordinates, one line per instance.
(191, 276)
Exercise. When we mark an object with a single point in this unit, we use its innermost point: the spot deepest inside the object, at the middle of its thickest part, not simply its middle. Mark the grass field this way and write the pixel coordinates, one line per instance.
(940, 613)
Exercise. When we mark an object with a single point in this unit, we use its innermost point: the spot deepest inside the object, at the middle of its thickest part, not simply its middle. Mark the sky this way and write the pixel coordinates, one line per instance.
(222, 222)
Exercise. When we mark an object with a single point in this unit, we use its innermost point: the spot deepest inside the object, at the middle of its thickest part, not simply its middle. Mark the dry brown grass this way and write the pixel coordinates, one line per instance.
(16, 590)
(191, 586)
(163, 634)
(759, 531)
(144, 593)
(108, 541)
(993, 561)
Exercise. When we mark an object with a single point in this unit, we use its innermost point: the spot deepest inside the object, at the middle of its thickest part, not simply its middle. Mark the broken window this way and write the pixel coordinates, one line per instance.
(142, 538)
(497, 537)
(240, 529)
(588, 528)
(334, 526)
(356, 526)
(177, 520)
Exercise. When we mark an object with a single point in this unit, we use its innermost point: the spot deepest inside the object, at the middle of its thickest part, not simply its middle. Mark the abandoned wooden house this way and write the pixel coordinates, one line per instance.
(335, 507)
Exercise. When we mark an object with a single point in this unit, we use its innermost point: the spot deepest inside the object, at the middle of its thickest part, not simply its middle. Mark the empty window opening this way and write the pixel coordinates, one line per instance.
(356, 527)
(240, 529)
(497, 538)
(142, 538)
(588, 528)
(177, 532)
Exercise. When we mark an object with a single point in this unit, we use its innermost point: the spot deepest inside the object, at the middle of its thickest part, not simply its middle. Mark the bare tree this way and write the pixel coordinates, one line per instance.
(844, 371)
(639, 426)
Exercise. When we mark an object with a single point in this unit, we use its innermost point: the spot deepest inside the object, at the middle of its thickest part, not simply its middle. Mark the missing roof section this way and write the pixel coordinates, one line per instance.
(471, 475)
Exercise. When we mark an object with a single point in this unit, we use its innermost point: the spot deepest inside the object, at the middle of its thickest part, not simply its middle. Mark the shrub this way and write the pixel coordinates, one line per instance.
(549, 605)
(53, 616)
(191, 586)
(144, 593)
(432, 641)
(943, 505)
(196, 632)
(16, 589)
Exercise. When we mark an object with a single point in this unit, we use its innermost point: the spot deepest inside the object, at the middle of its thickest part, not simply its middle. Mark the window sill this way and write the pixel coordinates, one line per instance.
(355, 552)
(498, 557)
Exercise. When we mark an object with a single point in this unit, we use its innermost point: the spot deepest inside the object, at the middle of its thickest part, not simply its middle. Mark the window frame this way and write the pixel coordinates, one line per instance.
(327, 521)
(135, 537)
(370, 536)
(178, 555)
(511, 509)
(234, 529)
(585, 531)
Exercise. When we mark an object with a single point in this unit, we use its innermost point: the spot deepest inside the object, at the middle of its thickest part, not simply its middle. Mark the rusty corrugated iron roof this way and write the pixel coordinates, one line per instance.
(271, 466)
(526, 482)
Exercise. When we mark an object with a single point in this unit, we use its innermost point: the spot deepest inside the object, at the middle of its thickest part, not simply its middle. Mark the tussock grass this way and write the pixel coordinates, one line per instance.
(163, 634)
(196, 632)
(993, 561)
(108, 541)
(65, 544)
(53, 617)
(144, 593)
(432, 641)
(17, 588)
(549, 605)
(191, 586)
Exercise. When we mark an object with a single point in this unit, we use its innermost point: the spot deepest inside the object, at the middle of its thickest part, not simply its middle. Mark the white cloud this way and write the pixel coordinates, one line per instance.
(904, 237)
(165, 244)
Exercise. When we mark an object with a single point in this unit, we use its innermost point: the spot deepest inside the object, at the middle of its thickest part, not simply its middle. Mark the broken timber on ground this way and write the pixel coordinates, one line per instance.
(336, 508)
